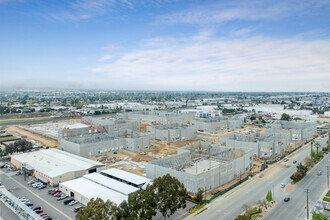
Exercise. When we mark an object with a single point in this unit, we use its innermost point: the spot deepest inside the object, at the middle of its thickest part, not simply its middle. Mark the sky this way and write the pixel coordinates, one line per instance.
(204, 45)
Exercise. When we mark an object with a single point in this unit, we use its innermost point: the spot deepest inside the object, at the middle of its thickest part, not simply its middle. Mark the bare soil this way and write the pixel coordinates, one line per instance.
(42, 138)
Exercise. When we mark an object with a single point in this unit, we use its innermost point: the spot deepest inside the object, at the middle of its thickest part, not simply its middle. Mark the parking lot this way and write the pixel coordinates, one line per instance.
(39, 197)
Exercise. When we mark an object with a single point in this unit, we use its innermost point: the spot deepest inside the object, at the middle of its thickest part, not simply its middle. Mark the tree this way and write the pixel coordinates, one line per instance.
(269, 196)
(308, 162)
(141, 205)
(97, 209)
(199, 197)
(260, 118)
(242, 217)
(285, 117)
(317, 215)
(317, 145)
(253, 118)
(297, 118)
(169, 193)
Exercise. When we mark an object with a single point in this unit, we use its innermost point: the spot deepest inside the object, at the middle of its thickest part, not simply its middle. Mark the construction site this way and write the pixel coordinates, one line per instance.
(274, 141)
(217, 124)
(201, 165)
(98, 144)
(161, 117)
(172, 132)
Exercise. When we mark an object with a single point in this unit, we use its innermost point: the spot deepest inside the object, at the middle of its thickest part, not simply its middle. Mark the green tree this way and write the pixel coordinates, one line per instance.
(199, 196)
(260, 118)
(252, 118)
(242, 217)
(97, 209)
(318, 216)
(169, 193)
(269, 196)
(285, 117)
(317, 145)
(141, 205)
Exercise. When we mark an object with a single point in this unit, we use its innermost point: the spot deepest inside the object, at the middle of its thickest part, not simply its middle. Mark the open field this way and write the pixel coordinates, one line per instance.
(25, 120)
(41, 138)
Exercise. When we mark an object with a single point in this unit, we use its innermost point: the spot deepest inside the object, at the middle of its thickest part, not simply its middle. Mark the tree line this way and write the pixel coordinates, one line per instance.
(166, 194)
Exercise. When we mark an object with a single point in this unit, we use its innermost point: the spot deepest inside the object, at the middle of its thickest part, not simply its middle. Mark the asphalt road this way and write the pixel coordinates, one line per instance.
(230, 205)
(296, 207)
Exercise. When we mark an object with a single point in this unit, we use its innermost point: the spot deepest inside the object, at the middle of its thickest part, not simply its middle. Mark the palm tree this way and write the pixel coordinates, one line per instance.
(312, 142)
(317, 145)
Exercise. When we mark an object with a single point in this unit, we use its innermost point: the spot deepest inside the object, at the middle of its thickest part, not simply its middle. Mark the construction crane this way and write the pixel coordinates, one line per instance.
(88, 124)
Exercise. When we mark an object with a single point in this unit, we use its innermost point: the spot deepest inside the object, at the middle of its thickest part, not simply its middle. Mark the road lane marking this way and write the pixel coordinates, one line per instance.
(42, 199)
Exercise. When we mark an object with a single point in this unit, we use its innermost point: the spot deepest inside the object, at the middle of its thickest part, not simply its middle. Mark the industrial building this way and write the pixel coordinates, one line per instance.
(54, 166)
(217, 124)
(172, 132)
(274, 141)
(161, 117)
(104, 124)
(112, 184)
(98, 144)
(201, 165)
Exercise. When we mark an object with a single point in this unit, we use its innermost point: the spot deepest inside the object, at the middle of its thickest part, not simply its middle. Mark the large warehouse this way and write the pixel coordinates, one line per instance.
(54, 166)
(111, 184)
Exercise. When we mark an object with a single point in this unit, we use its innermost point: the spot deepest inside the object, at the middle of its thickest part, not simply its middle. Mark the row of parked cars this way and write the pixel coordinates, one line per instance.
(59, 196)
(36, 209)
(37, 185)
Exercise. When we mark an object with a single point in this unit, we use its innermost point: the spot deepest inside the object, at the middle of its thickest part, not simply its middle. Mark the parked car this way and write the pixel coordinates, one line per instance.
(73, 202)
(29, 204)
(42, 187)
(51, 191)
(78, 208)
(294, 162)
(286, 199)
(44, 214)
(62, 197)
(24, 200)
(68, 201)
(36, 208)
(31, 182)
(57, 191)
(48, 218)
(282, 185)
(39, 211)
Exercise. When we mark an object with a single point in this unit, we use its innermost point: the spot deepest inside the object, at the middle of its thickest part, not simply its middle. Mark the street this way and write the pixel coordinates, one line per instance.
(229, 205)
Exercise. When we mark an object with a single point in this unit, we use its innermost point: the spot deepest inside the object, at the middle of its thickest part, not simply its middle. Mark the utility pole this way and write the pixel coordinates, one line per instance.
(205, 195)
(240, 177)
(307, 205)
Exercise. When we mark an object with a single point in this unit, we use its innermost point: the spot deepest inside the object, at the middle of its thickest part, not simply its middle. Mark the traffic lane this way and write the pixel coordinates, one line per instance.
(6, 213)
(230, 205)
(38, 197)
(296, 208)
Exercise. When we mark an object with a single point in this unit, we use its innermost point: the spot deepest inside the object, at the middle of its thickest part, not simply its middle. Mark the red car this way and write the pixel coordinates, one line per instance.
(39, 211)
(57, 191)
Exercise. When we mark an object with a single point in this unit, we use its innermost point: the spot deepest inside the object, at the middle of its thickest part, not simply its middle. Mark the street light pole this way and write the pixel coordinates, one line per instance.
(307, 205)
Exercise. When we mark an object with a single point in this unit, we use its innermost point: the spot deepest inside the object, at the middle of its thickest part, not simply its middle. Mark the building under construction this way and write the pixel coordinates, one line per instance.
(172, 132)
(203, 165)
(98, 144)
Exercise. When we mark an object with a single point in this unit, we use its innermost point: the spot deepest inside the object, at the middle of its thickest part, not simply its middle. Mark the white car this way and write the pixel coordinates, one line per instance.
(282, 185)
(73, 202)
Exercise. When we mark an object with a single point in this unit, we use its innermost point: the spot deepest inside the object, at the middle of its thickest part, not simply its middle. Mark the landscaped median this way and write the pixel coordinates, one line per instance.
(196, 209)
(256, 212)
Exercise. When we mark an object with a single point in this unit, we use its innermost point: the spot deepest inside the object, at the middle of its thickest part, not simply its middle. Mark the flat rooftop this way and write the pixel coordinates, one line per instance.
(128, 177)
(54, 162)
(91, 189)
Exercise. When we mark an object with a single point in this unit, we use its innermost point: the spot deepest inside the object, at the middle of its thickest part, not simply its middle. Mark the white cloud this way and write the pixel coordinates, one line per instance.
(105, 58)
(251, 10)
(217, 62)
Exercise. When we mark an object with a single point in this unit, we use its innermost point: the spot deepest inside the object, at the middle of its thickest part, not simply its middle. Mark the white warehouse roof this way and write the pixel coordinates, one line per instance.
(54, 162)
(129, 177)
(111, 183)
(90, 189)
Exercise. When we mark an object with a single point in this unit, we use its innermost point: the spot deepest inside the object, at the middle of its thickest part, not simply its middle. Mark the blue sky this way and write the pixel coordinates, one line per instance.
(236, 45)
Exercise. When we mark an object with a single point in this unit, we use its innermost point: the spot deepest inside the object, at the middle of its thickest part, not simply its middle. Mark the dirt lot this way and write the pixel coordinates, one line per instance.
(43, 139)
(143, 126)
(246, 129)
(135, 162)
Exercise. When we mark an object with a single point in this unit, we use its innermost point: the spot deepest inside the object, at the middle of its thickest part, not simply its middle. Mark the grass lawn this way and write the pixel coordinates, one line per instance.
(7, 138)
(24, 120)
